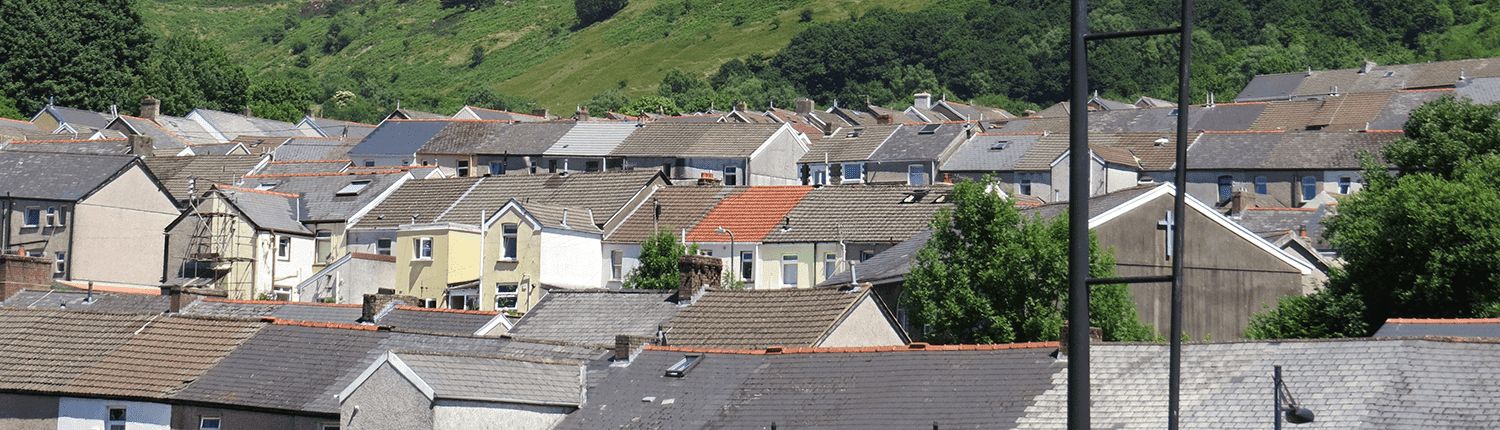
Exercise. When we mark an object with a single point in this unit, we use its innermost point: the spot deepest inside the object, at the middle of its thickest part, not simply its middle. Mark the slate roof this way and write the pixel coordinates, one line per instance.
(908, 143)
(18, 124)
(232, 126)
(188, 130)
(161, 138)
(209, 170)
(314, 148)
(854, 143)
(436, 320)
(266, 210)
(398, 137)
(298, 311)
(491, 114)
(755, 319)
(594, 317)
(681, 207)
(1097, 204)
(299, 167)
(263, 144)
(217, 149)
(563, 218)
(696, 140)
(77, 117)
(496, 137)
(261, 372)
(320, 193)
(854, 117)
(978, 154)
(1446, 73)
(592, 138)
(1319, 150)
(1264, 221)
(55, 176)
(327, 127)
(750, 214)
(828, 389)
(453, 376)
(1460, 327)
(75, 300)
(83, 146)
(861, 214)
(401, 114)
(890, 265)
(1399, 108)
(1481, 91)
(605, 193)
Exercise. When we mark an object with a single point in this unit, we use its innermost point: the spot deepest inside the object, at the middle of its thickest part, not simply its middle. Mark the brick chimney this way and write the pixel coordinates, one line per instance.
(1096, 335)
(1237, 203)
(583, 113)
(247, 112)
(696, 272)
(922, 100)
(804, 106)
(150, 108)
(884, 118)
(627, 346)
(708, 179)
(541, 113)
(181, 296)
(376, 303)
(741, 106)
(19, 273)
(141, 146)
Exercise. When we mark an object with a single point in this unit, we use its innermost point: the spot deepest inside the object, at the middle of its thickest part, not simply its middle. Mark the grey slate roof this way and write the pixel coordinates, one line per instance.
(208, 170)
(75, 300)
(1481, 90)
(287, 367)
(161, 139)
(413, 114)
(314, 312)
(232, 126)
(217, 149)
(302, 167)
(1264, 221)
(314, 148)
(592, 138)
(1399, 108)
(496, 137)
(491, 114)
(398, 137)
(824, 390)
(79, 118)
(594, 317)
(463, 377)
(1320, 150)
(190, 131)
(1097, 204)
(1401, 327)
(978, 154)
(320, 199)
(854, 143)
(435, 320)
(94, 147)
(327, 127)
(907, 143)
(55, 176)
(693, 139)
(861, 214)
(1278, 86)
(265, 210)
(890, 265)
(452, 200)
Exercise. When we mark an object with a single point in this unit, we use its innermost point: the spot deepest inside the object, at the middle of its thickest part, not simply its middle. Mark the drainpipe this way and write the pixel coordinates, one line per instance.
(482, 227)
(73, 259)
(5, 220)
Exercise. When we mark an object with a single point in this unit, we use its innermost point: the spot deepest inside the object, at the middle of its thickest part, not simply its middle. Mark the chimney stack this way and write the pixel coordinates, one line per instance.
(804, 106)
(180, 296)
(922, 100)
(247, 111)
(1096, 335)
(141, 146)
(1237, 203)
(541, 113)
(375, 304)
(583, 113)
(696, 272)
(627, 346)
(884, 118)
(150, 108)
(741, 107)
(19, 273)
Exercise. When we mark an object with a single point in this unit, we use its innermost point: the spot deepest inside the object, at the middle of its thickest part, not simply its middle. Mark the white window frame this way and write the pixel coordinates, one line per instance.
(916, 171)
(497, 167)
(1308, 188)
(60, 264)
(422, 248)
(1260, 185)
(509, 236)
(731, 175)
(616, 264)
(283, 248)
(747, 265)
(859, 174)
(323, 239)
(467, 300)
(501, 293)
(463, 168)
(51, 216)
(789, 262)
(383, 246)
(1025, 187)
(818, 174)
(62, 216)
(830, 264)
(32, 217)
(203, 423)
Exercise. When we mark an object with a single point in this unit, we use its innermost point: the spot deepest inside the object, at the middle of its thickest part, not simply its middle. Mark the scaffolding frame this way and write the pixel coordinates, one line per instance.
(219, 248)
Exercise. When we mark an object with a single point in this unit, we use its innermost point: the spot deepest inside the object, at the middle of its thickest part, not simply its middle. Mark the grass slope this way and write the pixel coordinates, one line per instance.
(423, 54)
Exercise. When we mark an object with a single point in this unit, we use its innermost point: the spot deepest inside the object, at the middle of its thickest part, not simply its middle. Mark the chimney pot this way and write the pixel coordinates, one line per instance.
(247, 111)
(583, 113)
(1096, 335)
(741, 106)
(541, 113)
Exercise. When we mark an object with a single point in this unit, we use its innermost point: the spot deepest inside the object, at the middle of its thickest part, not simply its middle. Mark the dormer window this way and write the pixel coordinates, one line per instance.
(940, 199)
(353, 188)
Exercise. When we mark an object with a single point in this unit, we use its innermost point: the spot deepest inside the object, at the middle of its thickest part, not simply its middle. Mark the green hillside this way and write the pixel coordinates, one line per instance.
(417, 52)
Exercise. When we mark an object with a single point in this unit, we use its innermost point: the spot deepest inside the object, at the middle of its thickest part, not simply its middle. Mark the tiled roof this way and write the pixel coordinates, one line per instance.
(415, 114)
(605, 193)
(81, 146)
(889, 265)
(232, 125)
(398, 137)
(1399, 108)
(1319, 83)
(496, 137)
(1323, 150)
(57, 176)
(703, 140)
(563, 218)
(294, 167)
(339, 128)
(978, 154)
(418, 201)
(266, 210)
(1113, 155)
(681, 208)
(492, 114)
(909, 389)
(190, 131)
(594, 317)
(750, 214)
(861, 214)
(1413, 327)
(454, 376)
(855, 143)
(755, 319)
(1446, 73)
(314, 148)
(435, 320)
(161, 138)
(1097, 204)
(1265, 221)
(1140, 145)
(592, 138)
(77, 300)
(261, 372)
(1289, 115)
(208, 170)
(217, 149)
(164, 355)
(910, 143)
(1348, 112)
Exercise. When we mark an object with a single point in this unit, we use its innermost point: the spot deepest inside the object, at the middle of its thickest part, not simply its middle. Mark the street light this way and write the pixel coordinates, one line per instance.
(1294, 414)
(732, 255)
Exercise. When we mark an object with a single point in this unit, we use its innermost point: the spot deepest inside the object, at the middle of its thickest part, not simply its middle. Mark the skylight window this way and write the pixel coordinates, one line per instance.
(683, 366)
(999, 145)
(929, 129)
(941, 198)
(265, 186)
(853, 133)
(353, 188)
(1173, 113)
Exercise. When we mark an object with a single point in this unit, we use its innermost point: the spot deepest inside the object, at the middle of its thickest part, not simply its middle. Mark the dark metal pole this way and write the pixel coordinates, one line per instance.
(1179, 207)
(1276, 386)
(1078, 226)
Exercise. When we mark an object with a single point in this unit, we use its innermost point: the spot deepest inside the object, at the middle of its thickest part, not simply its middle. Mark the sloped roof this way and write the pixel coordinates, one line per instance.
(424, 199)
(328, 127)
(1097, 204)
(692, 139)
(491, 114)
(78, 300)
(854, 117)
(1321, 150)
(315, 148)
(496, 137)
(265, 209)
(55, 176)
(190, 131)
(605, 193)
(81, 146)
(1140, 146)
(257, 374)
(18, 124)
(755, 319)
(232, 125)
(563, 218)
(1320, 83)
(1446, 73)
(1399, 108)
(1481, 90)
(161, 138)
(77, 117)
(454, 376)
(322, 199)
(854, 143)
(1264, 221)
(861, 214)
(208, 170)
(910, 143)
(217, 149)
(890, 265)
(681, 207)
(260, 144)
(592, 138)
(300, 167)
(1457, 327)
(750, 214)
(400, 114)
(398, 137)
(978, 154)
(428, 320)
(594, 317)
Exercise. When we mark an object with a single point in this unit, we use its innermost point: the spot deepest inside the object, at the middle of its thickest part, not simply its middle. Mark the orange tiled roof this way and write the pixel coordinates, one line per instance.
(1442, 320)
(750, 214)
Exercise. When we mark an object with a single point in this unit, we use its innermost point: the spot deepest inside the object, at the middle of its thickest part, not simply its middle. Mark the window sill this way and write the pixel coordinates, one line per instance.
(508, 260)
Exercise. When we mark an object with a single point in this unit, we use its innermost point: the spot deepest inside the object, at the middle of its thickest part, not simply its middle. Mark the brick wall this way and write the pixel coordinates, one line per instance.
(19, 273)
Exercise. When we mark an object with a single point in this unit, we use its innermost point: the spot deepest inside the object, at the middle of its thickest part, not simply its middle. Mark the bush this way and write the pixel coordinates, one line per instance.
(592, 11)
(805, 16)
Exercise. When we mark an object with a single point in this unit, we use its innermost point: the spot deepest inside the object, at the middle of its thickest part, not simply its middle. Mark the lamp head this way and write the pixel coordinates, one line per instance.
(1298, 415)
(721, 230)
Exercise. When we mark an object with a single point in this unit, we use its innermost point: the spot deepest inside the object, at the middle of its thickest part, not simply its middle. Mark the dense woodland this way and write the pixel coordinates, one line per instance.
(1010, 54)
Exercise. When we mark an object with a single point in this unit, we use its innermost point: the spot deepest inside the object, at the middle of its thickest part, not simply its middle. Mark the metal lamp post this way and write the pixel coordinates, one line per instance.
(732, 255)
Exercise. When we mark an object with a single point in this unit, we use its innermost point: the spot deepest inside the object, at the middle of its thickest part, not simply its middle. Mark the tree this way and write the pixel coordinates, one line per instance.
(489, 99)
(610, 100)
(186, 73)
(651, 104)
(658, 268)
(1443, 133)
(592, 11)
(990, 275)
(281, 99)
(8, 109)
(85, 53)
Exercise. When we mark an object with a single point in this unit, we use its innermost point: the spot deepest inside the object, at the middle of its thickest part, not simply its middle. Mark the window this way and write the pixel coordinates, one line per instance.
(1026, 187)
(1226, 187)
(62, 263)
(463, 168)
(591, 166)
(997, 146)
(818, 175)
(1309, 187)
(33, 217)
(353, 188)
(916, 174)
(35, 253)
(789, 270)
(283, 247)
(1260, 185)
(117, 418)
(1344, 185)
(731, 175)
(865, 255)
(62, 217)
(929, 129)
(505, 297)
(281, 294)
(465, 302)
(853, 172)
(830, 265)
(371, 163)
(616, 264)
(497, 168)
(551, 166)
(52, 216)
(208, 423)
(324, 246)
(383, 246)
(265, 186)
(747, 265)
(422, 248)
(509, 233)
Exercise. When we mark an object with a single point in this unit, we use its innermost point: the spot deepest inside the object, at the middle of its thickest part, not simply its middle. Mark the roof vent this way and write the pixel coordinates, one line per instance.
(1160, 141)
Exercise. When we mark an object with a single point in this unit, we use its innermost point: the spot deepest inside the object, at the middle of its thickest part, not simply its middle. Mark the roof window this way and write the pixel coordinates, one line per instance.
(929, 129)
(684, 365)
(266, 186)
(353, 188)
(853, 133)
(999, 145)
(940, 199)
(913, 197)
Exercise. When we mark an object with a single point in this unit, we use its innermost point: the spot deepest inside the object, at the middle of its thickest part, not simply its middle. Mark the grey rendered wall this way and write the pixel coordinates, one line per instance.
(866, 325)
(26, 412)
(188, 417)
(118, 231)
(386, 401)
(50, 240)
(472, 415)
(776, 164)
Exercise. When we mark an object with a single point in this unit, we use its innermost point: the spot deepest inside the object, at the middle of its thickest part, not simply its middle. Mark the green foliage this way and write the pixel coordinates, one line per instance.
(610, 100)
(281, 99)
(658, 268)
(651, 104)
(187, 73)
(8, 109)
(85, 53)
(466, 4)
(989, 275)
(1320, 315)
(1443, 133)
(476, 56)
(592, 11)
(489, 99)
(805, 16)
